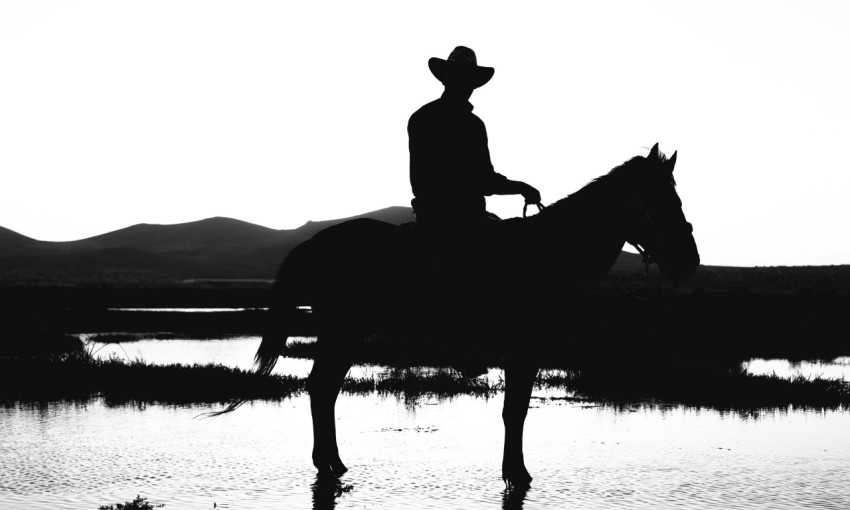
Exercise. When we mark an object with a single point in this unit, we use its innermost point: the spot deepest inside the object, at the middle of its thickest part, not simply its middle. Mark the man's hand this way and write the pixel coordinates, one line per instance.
(530, 194)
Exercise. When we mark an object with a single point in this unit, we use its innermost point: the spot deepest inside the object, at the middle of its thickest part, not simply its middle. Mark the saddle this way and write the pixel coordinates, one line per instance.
(471, 269)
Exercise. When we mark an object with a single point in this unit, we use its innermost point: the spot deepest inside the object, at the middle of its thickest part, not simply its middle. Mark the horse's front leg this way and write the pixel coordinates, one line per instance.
(519, 380)
(323, 385)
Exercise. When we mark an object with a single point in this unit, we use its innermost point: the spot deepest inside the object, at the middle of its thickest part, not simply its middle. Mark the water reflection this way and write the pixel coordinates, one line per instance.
(238, 352)
(326, 489)
(406, 448)
(513, 498)
(445, 455)
(708, 385)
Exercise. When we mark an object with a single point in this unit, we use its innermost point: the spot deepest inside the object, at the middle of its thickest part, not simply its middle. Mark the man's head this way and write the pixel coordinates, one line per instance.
(461, 70)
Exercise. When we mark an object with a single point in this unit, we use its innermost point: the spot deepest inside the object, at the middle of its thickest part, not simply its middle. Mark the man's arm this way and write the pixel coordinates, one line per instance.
(498, 184)
(501, 185)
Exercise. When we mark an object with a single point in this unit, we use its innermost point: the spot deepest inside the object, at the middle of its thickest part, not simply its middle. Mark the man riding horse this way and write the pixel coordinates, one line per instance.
(450, 174)
(450, 168)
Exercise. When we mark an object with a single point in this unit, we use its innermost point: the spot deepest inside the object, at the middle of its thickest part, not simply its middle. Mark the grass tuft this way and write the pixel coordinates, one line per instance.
(78, 375)
(139, 503)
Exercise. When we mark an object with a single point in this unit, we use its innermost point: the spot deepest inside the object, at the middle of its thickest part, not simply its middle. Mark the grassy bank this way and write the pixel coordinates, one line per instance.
(77, 375)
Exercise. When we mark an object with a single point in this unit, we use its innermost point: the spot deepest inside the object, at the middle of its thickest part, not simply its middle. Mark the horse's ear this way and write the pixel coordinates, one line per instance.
(653, 154)
(671, 163)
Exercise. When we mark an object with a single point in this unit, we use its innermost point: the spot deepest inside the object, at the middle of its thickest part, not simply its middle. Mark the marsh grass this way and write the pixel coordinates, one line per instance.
(413, 383)
(79, 375)
(139, 503)
(718, 386)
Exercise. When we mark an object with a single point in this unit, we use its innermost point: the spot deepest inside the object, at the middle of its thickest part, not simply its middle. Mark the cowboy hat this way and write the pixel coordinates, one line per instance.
(461, 66)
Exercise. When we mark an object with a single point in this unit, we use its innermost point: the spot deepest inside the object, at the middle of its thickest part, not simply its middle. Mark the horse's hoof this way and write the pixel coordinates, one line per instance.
(331, 468)
(519, 484)
(338, 468)
(517, 480)
(325, 474)
(332, 471)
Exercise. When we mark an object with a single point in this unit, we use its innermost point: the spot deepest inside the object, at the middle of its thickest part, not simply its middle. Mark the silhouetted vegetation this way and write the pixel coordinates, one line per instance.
(412, 383)
(77, 375)
(711, 385)
(139, 503)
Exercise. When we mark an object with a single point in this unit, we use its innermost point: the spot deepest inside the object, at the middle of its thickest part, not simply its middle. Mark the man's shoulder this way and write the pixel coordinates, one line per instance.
(427, 115)
(428, 108)
(438, 110)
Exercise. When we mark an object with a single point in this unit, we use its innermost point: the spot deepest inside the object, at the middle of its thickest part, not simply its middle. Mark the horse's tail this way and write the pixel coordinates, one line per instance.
(276, 332)
(280, 320)
(291, 286)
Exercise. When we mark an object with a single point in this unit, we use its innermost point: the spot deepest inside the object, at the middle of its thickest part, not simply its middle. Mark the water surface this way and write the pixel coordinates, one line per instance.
(432, 454)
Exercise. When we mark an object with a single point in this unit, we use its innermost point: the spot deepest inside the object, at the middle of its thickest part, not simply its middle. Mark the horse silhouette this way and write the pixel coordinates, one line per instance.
(364, 277)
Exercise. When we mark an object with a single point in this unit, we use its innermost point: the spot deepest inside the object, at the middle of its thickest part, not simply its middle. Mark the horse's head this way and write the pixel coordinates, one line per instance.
(659, 228)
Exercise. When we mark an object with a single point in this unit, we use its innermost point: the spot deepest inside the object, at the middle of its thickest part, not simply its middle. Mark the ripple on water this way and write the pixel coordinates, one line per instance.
(428, 456)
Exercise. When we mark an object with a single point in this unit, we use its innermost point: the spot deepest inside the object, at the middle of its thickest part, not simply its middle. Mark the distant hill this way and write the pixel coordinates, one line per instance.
(13, 243)
(226, 251)
(210, 249)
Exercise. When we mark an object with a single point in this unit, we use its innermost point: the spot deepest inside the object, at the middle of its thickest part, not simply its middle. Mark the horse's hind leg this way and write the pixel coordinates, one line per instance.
(323, 385)
(519, 380)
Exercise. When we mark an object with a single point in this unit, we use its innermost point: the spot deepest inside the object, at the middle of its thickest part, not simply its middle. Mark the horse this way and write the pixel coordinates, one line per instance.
(364, 276)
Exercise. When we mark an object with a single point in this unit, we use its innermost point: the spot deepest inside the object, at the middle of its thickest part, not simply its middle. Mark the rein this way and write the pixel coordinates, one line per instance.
(540, 208)
(623, 292)
(645, 257)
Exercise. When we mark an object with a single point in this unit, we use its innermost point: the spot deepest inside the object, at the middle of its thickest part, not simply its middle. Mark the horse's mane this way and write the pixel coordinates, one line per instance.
(620, 176)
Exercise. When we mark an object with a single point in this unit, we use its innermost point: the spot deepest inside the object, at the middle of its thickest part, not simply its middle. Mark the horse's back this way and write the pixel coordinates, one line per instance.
(340, 240)
(358, 228)
(341, 261)
(375, 270)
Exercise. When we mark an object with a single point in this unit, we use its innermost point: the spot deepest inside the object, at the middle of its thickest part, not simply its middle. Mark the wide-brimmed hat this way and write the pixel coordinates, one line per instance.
(462, 67)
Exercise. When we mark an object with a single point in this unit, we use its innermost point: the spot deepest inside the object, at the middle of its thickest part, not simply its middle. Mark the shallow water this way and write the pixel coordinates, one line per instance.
(838, 368)
(239, 352)
(438, 454)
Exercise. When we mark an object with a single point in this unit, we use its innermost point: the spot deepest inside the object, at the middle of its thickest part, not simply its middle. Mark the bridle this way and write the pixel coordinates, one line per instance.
(683, 228)
(649, 226)
(623, 292)
(646, 257)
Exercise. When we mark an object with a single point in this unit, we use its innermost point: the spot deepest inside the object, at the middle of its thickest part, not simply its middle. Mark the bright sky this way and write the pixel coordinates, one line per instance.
(274, 112)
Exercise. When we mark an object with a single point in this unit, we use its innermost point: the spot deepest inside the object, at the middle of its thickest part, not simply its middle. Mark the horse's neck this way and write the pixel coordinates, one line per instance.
(588, 231)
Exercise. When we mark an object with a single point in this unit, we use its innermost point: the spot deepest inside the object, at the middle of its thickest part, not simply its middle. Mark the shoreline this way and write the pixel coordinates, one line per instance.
(78, 376)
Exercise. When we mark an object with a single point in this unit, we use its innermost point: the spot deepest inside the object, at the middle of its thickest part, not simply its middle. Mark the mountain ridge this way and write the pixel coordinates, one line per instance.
(228, 249)
(211, 248)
